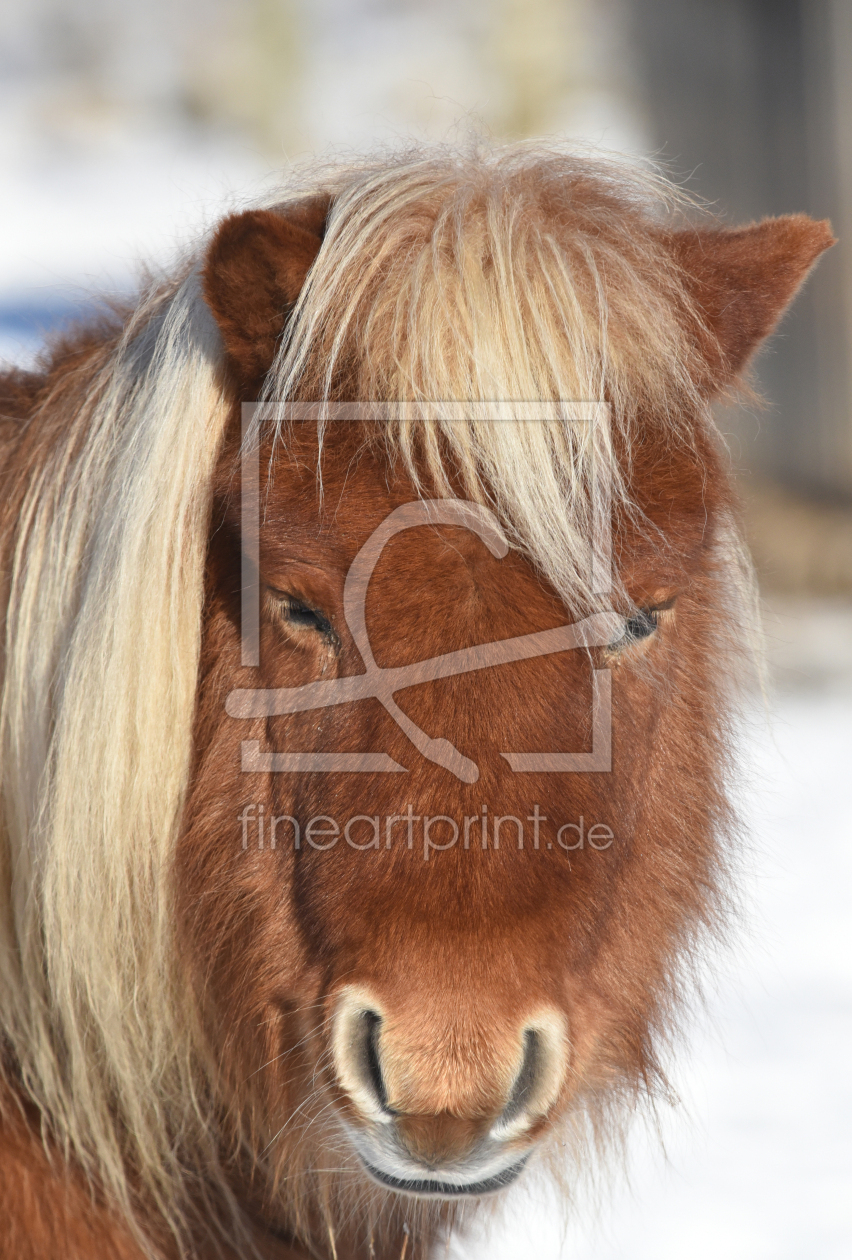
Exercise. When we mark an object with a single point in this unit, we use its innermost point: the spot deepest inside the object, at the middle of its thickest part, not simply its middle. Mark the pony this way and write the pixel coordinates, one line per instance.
(373, 597)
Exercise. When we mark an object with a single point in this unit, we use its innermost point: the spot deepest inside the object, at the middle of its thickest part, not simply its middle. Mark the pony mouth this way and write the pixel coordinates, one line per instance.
(432, 1188)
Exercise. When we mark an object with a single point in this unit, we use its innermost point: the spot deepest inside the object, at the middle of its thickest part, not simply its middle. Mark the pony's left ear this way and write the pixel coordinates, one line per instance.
(253, 274)
(741, 280)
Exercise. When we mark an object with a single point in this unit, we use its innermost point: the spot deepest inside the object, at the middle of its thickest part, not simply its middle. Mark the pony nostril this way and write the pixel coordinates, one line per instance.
(524, 1088)
(539, 1078)
(373, 1023)
(356, 1048)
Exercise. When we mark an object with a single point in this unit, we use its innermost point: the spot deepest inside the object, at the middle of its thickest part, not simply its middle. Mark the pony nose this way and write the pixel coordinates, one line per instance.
(441, 1095)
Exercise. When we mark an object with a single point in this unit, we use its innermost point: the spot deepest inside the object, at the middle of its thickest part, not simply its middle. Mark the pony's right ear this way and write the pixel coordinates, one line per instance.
(252, 277)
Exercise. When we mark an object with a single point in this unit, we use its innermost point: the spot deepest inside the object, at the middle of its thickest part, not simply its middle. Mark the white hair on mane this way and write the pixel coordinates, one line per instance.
(101, 659)
(448, 278)
(522, 275)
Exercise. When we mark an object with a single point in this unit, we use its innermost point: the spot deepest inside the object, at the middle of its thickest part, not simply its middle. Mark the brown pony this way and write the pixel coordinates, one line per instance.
(364, 753)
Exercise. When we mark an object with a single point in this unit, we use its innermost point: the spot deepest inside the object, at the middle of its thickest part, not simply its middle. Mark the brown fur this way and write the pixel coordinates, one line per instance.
(46, 1208)
(461, 950)
(255, 269)
(742, 279)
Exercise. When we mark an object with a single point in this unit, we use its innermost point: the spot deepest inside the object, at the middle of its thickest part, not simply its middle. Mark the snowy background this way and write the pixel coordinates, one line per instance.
(124, 131)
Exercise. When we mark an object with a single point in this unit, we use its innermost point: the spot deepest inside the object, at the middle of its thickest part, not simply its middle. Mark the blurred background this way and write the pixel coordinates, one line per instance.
(127, 127)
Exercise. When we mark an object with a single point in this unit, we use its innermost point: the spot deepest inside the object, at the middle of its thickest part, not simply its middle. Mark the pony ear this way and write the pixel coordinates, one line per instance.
(253, 275)
(742, 279)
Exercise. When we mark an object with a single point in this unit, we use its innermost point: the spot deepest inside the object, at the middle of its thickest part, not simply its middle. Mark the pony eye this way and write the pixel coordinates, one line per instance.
(641, 624)
(297, 613)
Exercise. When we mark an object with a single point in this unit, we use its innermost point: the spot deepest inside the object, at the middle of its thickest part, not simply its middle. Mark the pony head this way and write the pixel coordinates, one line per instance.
(365, 749)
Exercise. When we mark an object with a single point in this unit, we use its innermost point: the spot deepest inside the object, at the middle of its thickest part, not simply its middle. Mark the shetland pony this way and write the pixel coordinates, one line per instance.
(261, 1006)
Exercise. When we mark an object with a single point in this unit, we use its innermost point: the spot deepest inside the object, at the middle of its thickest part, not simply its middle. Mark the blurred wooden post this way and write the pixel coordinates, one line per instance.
(752, 101)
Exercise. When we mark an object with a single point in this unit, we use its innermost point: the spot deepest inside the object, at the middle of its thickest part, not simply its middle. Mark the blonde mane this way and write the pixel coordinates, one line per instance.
(523, 275)
(101, 648)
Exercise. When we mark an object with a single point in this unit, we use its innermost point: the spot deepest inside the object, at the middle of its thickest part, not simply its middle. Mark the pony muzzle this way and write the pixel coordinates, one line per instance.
(473, 1139)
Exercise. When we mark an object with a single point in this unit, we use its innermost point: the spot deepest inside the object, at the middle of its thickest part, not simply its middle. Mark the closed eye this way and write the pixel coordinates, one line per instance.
(296, 613)
(642, 624)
